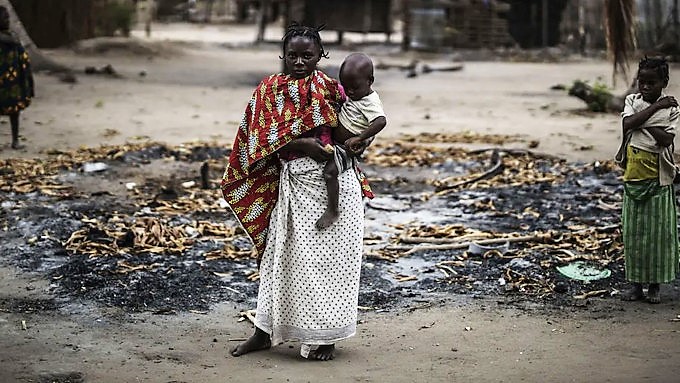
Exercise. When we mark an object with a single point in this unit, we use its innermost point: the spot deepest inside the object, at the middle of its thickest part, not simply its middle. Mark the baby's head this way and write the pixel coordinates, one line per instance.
(356, 75)
(652, 77)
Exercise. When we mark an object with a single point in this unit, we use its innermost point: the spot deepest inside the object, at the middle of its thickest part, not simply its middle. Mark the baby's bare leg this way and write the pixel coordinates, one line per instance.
(341, 134)
(330, 175)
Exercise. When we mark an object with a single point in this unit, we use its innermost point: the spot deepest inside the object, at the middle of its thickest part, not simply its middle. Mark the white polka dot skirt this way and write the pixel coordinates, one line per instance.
(309, 278)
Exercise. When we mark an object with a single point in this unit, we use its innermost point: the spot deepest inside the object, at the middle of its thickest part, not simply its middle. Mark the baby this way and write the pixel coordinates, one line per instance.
(361, 117)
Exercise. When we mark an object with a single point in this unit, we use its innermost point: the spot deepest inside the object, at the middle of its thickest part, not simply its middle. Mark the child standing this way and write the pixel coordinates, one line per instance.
(16, 79)
(361, 117)
(650, 235)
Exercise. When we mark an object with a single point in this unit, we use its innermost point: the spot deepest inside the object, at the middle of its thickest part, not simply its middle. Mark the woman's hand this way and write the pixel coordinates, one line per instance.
(313, 148)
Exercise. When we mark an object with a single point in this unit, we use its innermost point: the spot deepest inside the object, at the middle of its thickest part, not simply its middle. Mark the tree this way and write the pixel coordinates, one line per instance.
(619, 26)
(39, 60)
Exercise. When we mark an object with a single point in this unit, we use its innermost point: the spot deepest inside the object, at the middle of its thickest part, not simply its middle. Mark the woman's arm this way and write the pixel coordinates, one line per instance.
(310, 146)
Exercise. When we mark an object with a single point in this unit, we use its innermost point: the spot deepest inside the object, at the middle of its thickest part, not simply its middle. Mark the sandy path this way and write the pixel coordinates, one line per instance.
(199, 93)
(478, 341)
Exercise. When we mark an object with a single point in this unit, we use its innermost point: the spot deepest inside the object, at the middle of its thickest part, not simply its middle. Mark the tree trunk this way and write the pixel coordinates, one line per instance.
(39, 61)
(208, 10)
(262, 20)
(620, 33)
(676, 21)
(599, 99)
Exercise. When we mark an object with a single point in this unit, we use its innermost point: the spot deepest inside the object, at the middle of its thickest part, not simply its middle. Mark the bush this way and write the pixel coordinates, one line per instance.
(114, 17)
(597, 96)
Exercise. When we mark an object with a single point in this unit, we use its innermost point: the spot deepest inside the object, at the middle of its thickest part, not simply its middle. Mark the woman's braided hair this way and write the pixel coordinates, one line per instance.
(296, 29)
(658, 64)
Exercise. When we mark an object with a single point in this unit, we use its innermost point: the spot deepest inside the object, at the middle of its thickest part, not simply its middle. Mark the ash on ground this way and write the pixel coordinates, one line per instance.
(131, 237)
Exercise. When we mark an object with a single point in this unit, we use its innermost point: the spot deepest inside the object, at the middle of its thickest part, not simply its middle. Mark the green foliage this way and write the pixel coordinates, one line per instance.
(602, 97)
(114, 17)
(597, 96)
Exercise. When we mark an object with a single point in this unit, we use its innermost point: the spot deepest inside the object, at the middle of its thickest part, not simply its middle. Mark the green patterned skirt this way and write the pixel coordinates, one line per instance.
(16, 78)
(650, 234)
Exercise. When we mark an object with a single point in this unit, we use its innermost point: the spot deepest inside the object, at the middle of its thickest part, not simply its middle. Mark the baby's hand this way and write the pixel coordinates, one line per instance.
(354, 143)
(667, 102)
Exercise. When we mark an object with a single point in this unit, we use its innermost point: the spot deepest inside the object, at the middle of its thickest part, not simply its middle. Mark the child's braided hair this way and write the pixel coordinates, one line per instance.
(657, 63)
(296, 29)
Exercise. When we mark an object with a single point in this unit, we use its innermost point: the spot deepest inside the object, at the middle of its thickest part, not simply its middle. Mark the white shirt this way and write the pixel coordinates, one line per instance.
(356, 116)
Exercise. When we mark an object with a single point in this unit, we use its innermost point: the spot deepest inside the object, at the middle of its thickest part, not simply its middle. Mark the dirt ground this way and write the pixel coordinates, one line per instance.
(191, 83)
(195, 86)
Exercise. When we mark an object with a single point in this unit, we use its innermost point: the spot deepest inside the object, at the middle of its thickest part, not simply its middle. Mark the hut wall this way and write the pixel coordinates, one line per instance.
(53, 23)
(350, 15)
(433, 24)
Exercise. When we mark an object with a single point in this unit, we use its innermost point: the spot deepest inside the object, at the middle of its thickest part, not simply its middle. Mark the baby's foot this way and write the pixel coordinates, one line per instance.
(324, 353)
(653, 295)
(634, 293)
(328, 218)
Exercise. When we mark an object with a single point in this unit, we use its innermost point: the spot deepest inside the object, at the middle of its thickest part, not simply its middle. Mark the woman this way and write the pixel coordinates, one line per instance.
(16, 78)
(309, 278)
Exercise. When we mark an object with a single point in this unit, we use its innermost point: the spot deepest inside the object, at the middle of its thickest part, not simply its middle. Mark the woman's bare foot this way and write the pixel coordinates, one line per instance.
(653, 295)
(260, 340)
(634, 293)
(324, 353)
(328, 218)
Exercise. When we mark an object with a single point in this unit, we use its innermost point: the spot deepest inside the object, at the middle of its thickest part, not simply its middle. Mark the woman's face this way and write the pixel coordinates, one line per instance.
(301, 56)
(650, 84)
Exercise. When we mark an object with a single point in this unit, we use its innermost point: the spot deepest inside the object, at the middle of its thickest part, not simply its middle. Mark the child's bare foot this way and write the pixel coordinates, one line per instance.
(634, 293)
(324, 353)
(260, 340)
(328, 218)
(653, 295)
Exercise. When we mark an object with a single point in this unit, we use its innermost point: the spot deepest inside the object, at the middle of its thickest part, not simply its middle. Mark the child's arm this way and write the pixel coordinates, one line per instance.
(635, 121)
(374, 128)
(663, 138)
